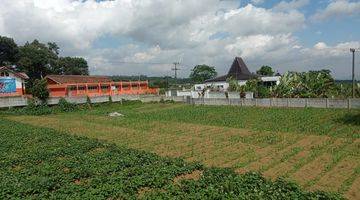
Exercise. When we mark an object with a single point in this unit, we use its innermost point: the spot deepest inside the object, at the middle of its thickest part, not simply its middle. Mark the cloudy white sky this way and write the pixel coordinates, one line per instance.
(131, 37)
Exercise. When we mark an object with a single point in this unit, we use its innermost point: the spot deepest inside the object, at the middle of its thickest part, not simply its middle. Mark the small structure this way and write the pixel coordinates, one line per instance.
(78, 85)
(241, 73)
(12, 83)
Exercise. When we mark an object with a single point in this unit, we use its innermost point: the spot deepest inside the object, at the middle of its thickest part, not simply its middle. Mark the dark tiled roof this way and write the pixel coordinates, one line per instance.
(18, 74)
(68, 79)
(238, 70)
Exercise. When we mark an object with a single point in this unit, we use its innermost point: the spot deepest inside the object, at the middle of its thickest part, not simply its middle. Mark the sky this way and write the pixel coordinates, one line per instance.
(133, 37)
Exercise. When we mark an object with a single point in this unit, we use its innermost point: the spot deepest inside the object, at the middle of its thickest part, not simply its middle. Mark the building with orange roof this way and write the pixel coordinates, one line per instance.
(80, 85)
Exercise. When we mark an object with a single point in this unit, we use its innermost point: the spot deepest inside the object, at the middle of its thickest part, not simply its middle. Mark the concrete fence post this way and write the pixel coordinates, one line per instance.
(287, 102)
(349, 103)
(306, 102)
(327, 102)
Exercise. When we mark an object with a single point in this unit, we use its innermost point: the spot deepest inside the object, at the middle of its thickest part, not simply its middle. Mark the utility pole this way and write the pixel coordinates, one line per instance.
(353, 72)
(175, 69)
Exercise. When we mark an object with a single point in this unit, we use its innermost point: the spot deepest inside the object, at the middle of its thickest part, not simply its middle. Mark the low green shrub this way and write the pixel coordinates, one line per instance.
(34, 109)
(88, 102)
(66, 106)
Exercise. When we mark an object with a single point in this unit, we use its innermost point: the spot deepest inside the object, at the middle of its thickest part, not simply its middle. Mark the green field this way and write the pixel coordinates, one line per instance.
(317, 148)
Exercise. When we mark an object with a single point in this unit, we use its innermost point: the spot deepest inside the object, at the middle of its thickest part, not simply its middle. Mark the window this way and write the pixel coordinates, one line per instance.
(94, 87)
(104, 87)
(81, 88)
(125, 86)
(72, 88)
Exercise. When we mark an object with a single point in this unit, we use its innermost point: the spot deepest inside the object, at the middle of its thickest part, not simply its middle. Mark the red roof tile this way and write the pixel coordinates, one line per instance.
(68, 79)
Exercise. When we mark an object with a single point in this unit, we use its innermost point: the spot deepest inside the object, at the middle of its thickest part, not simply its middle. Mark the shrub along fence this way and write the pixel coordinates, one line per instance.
(19, 101)
(279, 102)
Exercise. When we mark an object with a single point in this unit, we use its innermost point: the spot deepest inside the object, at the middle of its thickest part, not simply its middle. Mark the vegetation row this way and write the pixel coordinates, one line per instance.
(39, 163)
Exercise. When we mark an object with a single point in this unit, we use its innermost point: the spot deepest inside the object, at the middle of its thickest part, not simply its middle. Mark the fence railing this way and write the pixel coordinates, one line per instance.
(279, 102)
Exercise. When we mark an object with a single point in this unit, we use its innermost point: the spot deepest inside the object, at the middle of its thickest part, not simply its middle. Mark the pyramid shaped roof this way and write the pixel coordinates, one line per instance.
(238, 71)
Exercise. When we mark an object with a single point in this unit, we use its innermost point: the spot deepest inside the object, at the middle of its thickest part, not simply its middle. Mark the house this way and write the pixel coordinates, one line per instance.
(79, 85)
(241, 73)
(12, 83)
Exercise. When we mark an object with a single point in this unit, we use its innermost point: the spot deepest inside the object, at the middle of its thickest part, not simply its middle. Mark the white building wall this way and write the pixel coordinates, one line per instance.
(223, 86)
(18, 80)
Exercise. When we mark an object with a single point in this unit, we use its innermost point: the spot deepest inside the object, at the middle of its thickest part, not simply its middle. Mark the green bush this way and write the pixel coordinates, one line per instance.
(66, 106)
(88, 102)
(40, 91)
(169, 101)
(263, 92)
(34, 109)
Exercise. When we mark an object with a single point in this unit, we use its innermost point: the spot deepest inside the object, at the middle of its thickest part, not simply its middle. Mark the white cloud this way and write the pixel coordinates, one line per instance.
(338, 8)
(291, 5)
(320, 46)
(164, 31)
(257, 45)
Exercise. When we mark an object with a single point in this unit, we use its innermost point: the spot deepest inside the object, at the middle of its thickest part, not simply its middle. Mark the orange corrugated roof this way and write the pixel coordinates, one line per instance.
(68, 79)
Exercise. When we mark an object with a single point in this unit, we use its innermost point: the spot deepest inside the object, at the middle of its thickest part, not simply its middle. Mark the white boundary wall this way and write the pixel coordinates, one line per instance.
(272, 102)
(7, 102)
(279, 102)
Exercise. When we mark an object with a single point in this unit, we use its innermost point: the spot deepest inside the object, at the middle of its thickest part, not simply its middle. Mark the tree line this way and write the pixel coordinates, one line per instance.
(37, 60)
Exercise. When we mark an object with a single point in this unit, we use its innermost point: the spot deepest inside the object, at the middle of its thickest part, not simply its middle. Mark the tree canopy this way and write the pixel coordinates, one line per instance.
(8, 50)
(72, 66)
(265, 71)
(200, 73)
(37, 59)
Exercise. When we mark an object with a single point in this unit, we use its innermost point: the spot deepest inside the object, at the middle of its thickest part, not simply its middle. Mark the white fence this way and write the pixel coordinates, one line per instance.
(7, 102)
(279, 102)
(272, 102)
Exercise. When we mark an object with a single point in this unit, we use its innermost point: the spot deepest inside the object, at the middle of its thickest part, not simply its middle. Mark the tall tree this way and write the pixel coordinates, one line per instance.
(8, 51)
(265, 71)
(72, 66)
(54, 47)
(200, 73)
(36, 60)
